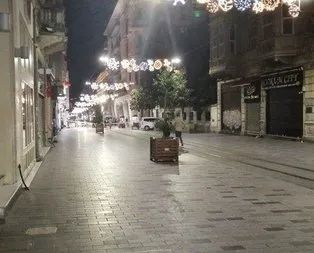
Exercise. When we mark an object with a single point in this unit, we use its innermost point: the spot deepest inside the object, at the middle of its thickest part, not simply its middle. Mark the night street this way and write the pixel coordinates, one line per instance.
(101, 193)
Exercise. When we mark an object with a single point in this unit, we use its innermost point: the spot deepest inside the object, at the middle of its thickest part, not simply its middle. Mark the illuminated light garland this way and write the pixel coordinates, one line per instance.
(242, 5)
(288, 2)
(158, 64)
(258, 6)
(113, 64)
(294, 10)
(179, 1)
(132, 66)
(114, 86)
(225, 5)
(143, 66)
(150, 65)
(271, 5)
(202, 1)
(212, 6)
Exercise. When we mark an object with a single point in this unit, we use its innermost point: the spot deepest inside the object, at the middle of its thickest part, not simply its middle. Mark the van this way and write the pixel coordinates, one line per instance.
(148, 123)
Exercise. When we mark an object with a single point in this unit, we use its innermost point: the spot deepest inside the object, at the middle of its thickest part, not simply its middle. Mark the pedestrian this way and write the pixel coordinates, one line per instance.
(110, 122)
(179, 126)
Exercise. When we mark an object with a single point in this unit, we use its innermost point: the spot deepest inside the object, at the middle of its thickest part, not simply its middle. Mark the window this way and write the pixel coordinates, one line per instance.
(4, 22)
(184, 115)
(27, 114)
(199, 115)
(207, 115)
(28, 9)
(232, 39)
(287, 21)
(221, 40)
(252, 33)
(191, 116)
(268, 26)
(214, 41)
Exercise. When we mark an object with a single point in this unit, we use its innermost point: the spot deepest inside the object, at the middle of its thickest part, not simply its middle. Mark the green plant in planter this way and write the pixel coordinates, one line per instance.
(165, 126)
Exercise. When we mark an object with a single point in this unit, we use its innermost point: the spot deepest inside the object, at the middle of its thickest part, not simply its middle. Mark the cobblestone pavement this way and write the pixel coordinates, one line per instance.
(283, 159)
(100, 193)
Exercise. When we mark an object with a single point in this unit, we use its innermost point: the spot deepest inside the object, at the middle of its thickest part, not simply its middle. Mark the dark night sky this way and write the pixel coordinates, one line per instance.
(86, 22)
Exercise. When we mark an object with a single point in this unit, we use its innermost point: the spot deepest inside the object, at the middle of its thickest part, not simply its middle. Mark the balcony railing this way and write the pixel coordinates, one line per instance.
(281, 46)
(51, 18)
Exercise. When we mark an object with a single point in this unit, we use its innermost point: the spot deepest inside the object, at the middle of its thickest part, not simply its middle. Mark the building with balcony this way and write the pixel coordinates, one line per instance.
(24, 100)
(145, 29)
(265, 66)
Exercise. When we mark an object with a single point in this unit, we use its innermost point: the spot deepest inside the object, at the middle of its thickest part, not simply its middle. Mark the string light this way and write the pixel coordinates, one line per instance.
(132, 65)
(113, 86)
(288, 2)
(294, 10)
(258, 6)
(242, 5)
(212, 6)
(225, 5)
(271, 5)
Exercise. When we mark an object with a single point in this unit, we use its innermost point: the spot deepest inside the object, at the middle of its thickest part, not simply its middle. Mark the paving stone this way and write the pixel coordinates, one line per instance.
(103, 194)
(233, 248)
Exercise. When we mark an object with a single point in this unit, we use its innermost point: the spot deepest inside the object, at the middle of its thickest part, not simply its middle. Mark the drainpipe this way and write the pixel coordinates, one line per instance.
(36, 98)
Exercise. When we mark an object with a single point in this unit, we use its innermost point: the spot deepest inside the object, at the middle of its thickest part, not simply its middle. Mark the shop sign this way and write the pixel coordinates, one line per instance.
(252, 93)
(282, 79)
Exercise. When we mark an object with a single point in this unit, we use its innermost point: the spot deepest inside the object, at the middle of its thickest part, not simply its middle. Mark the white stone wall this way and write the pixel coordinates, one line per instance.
(243, 113)
(13, 72)
(219, 106)
(308, 103)
(263, 112)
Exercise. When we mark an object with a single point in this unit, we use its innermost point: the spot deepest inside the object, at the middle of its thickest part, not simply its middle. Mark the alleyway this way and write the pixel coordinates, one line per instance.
(101, 193)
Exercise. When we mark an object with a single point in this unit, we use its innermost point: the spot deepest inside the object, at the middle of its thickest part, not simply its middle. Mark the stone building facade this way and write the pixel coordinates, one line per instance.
(265, 67)
(24, 101)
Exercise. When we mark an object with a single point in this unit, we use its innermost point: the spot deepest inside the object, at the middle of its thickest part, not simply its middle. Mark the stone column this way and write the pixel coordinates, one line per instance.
(219, 119)
(263, 112)
(308, 104)
(243, 113)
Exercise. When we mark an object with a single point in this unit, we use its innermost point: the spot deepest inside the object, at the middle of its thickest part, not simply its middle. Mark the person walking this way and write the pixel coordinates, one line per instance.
(179, 126)
(110, 122)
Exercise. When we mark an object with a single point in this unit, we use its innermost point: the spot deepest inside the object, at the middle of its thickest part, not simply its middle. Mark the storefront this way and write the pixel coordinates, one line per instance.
(284, 102)
(252, 97)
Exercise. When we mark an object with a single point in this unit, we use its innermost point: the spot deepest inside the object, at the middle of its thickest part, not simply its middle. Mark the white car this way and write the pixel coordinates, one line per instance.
(148, 123)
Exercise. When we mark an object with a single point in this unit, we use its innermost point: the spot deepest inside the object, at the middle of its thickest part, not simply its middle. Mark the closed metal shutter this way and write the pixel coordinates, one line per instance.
(253, 118)
(285, 111)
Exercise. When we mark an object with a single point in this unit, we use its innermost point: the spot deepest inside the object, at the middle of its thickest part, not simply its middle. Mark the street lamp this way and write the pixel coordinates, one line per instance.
(176, 60)
(88, 83)
(104, 59)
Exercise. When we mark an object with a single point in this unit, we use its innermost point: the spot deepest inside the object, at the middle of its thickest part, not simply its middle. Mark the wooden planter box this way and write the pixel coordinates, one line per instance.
(99, 128)
(164, 150)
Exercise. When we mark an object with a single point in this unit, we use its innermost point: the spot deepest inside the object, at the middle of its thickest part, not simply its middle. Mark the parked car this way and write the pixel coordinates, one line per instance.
(148, 123)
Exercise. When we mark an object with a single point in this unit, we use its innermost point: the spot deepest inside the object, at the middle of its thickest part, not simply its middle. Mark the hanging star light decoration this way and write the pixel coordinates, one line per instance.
(271, 5)
(258, 6)
(225, 5)
(212, 6)
(294, 10)
(242, 5)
